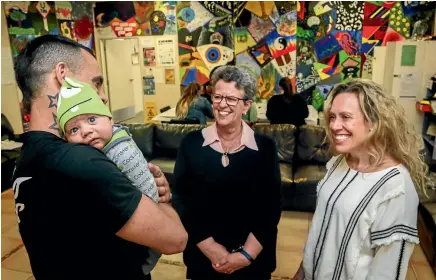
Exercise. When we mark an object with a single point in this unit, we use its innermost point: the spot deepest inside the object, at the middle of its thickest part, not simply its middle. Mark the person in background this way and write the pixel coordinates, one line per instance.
(287, 107)
(192, 106)
(78, 215)
(231, 208)
(365, 222)
(251, 116)
(207, 91)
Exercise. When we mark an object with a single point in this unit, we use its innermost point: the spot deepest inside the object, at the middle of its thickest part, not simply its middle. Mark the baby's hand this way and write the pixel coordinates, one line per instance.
(163, 187)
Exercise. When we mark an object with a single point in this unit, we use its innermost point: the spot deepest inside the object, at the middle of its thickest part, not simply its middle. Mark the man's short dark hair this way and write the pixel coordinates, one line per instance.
(40, 57)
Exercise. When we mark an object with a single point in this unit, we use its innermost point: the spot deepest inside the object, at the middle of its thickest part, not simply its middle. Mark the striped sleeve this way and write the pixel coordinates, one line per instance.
(391, 261)
(396, 218)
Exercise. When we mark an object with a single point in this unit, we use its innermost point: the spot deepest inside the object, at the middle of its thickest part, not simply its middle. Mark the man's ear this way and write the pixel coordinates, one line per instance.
(61, 71)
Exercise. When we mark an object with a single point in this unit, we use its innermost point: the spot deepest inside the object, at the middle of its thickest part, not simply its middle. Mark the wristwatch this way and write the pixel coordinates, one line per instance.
(241, 250)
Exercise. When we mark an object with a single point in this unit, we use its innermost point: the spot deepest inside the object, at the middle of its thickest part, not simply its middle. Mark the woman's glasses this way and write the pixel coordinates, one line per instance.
(230, 100)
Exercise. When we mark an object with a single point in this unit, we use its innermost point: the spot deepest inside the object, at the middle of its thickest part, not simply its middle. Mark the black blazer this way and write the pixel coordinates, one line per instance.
(294, 111)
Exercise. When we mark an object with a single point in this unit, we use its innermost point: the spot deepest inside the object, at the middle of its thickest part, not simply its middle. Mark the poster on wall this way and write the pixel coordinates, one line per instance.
(408, 55)
(409, 82)
(166, 52)
(170, 77)
(149, 57)
(149, 86)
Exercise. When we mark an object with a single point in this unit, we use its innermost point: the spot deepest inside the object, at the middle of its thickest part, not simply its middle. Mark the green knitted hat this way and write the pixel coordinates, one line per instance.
(77, 98)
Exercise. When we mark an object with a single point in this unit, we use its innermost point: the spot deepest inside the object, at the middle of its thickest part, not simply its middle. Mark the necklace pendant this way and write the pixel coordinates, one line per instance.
(225, 160)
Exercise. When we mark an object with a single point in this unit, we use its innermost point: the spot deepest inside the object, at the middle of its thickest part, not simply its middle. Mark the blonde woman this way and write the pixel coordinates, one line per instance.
(365, 223)
(193, 106)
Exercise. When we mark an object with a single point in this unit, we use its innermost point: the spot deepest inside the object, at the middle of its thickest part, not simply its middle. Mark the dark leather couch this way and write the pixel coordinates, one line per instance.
(301, 153)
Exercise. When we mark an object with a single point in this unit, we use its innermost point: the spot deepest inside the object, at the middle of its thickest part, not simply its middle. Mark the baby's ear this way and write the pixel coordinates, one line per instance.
(112, 121)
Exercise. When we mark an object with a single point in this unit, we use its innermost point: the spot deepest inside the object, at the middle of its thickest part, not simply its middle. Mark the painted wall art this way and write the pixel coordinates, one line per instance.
(206, 38)
(137, 18)
(314, 43)
(336, 39)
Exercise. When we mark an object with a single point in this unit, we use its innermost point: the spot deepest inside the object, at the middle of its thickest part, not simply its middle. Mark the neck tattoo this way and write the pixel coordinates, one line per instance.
(53, 103)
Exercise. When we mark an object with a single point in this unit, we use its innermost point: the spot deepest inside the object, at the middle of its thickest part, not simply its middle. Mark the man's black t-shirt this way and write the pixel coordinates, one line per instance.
(71, 200)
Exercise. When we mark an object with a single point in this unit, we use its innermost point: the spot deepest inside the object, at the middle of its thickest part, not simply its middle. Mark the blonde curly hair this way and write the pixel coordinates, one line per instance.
(390, 134)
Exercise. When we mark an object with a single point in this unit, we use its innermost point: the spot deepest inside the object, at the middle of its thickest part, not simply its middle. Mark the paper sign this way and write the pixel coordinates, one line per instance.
(409, 84)
(135, 59)
(166, 52)
(408, 55)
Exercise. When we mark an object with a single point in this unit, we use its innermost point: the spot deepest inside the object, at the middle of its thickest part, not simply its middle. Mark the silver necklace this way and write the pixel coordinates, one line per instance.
(225, 158)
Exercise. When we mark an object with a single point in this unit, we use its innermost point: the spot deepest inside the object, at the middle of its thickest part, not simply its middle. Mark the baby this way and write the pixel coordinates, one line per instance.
(84, 119)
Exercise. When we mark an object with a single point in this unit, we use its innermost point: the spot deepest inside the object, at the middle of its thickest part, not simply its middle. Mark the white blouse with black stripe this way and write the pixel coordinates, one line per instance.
(364, 226)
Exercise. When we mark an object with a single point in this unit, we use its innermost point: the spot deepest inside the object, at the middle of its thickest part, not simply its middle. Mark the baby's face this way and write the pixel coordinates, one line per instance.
(94, 130)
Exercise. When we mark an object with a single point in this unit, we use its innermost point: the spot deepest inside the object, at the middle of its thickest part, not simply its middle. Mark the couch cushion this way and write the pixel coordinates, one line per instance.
(286, 175)
(284, 137)
(167, 167)
(169, 137)
(309, 174)
(143, 135)
(311, 146)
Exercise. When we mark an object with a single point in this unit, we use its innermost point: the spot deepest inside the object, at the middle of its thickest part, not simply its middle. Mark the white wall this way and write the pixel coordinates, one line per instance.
(9, 91)
(166, 94)
(137, 79)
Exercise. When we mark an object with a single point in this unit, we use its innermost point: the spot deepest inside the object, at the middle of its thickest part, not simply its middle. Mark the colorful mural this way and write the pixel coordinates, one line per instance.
(206, 38)
(336, 39)
(265, 38)
(314, 43)
(28, 20)
(136, 18)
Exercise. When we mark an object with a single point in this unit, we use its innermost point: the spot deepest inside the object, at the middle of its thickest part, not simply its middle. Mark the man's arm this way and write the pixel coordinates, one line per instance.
(155, 226)
(123, 208)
